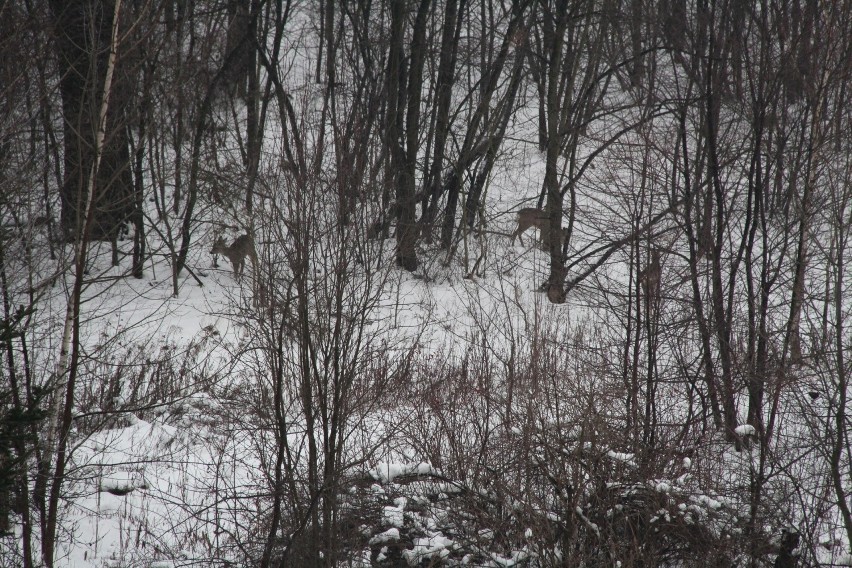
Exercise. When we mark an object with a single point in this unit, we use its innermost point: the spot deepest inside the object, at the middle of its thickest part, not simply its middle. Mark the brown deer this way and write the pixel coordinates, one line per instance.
(242, 247)
(649, 277)
(534, 217)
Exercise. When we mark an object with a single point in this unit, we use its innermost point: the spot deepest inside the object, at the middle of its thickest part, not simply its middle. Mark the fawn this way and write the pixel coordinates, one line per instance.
(534, 217)
(241, 247)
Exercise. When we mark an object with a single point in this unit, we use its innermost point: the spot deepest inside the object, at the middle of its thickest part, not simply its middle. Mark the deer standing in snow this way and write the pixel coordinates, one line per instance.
(242, 247)
(534, 217)
(237, 252)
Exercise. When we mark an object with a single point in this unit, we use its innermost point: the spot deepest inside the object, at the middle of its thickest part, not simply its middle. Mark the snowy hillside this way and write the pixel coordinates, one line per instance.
(425, 283)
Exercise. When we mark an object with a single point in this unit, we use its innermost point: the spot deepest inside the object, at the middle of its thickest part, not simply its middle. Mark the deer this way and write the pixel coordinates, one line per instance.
(242, 247)
(534, 217)
(649, 277)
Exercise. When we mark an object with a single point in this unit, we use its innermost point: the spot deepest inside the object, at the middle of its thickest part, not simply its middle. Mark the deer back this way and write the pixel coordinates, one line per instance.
(244, 244)
(538, 218)
(238, 250)
(532, 217)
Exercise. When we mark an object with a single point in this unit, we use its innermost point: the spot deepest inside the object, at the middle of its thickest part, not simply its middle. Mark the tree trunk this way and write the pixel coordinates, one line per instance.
(446, 70)
(554, 44)
(400, 177)
(61, 422)
(83, 28)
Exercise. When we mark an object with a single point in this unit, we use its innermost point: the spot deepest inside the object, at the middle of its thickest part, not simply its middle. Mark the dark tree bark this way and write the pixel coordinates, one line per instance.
(401, 170)
(446, 71)
(82, 46)
(714, 77)
(554, 40)
(240, 51)
(254, 117)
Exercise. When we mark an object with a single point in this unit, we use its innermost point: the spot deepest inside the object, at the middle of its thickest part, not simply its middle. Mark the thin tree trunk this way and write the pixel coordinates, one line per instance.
(720, 316)
(406, 255)
(446, 71)
(63, 427)
(554, 44)
(475, 143)
(254, 122)
(697, 302)
(839, 477)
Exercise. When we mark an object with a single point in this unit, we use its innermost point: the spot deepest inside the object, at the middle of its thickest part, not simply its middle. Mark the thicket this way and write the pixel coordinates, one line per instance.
(691, 163)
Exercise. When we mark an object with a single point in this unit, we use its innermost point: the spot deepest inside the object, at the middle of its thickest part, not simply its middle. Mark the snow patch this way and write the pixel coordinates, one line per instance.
(746, 430)
(622, 457)
(387, 472)
(392, 516)
(390, 535)
(437, 546)
(121, 482)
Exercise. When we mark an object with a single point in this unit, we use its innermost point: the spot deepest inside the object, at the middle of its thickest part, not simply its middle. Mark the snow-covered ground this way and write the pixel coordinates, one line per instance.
(179, 480)
(475, 423)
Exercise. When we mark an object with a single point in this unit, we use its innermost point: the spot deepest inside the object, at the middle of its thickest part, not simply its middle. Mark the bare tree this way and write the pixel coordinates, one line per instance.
(83, 45)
